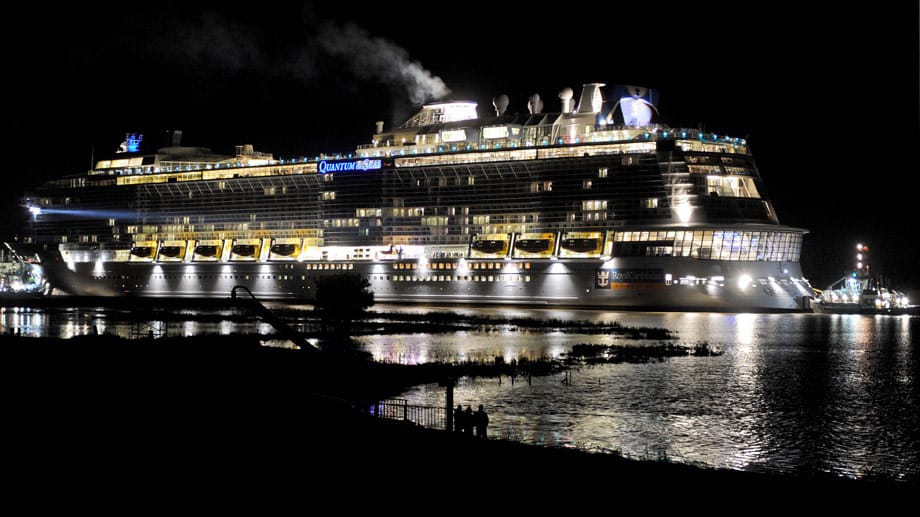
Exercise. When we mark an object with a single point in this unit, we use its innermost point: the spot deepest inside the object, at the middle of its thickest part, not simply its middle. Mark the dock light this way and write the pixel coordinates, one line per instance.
(744, 281)
(35, 210)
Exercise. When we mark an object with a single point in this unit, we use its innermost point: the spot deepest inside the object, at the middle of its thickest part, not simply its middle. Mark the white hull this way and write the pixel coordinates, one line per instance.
(664, 283)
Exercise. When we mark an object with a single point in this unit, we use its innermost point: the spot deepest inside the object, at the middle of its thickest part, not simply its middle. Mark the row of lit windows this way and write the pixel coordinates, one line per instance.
(594, 205)
(368, 212)
(471, 278)
(405, 212)
(455, 265)
(434, 220)
(721, 244)
(211, 171)
(326, 267)
(398, 278)
(346, 223)
(417, 160)
(203, 277)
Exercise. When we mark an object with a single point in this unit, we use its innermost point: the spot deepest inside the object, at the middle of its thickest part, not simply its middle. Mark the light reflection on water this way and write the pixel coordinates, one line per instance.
(474, 346)
(792, 392)
(68, 323)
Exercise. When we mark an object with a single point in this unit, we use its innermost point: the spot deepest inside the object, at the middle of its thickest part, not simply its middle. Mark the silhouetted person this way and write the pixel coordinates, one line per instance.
(458, 419)
(482, 423)
(468, 421)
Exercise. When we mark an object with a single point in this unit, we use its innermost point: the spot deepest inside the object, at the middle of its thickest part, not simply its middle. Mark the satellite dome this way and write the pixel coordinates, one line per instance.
(501, 104)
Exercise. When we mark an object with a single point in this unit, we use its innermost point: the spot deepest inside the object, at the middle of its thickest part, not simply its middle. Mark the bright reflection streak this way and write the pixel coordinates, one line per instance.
(190, 328)
(226, 327)
(744, 329)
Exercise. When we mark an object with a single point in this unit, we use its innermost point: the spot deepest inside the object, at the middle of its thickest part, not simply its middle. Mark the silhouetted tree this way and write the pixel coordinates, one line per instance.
(340, 299)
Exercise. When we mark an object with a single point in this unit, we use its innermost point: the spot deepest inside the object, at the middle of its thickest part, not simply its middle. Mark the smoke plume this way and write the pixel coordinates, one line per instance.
(230, 46)
(376, 58)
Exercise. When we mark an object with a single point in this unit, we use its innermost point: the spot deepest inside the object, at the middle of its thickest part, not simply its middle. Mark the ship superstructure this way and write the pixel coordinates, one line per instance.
(596, 204)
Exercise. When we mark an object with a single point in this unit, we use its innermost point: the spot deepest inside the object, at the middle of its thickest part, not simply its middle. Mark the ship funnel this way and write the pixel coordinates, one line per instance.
(566, 97)
(379, 126)
(591, 100)
(501, 104)
(535, 104)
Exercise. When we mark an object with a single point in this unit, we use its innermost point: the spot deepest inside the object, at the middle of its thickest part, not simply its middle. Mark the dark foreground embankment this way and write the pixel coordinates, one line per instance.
(223, 421)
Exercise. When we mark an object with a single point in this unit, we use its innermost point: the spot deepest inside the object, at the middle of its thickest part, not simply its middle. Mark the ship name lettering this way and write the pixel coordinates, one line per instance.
(636, 275)
(366, 164)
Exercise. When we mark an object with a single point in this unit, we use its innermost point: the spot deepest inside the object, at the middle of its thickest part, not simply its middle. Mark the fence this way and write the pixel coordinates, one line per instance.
(399, 409)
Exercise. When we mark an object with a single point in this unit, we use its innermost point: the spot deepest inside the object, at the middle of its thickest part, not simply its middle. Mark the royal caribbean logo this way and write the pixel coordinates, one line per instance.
(366, 164)
(628, 278)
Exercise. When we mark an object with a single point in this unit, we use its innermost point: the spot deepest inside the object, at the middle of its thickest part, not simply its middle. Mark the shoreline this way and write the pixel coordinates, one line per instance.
(155, 303)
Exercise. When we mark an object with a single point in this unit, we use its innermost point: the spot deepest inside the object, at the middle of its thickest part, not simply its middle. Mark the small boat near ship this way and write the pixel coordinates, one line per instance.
(21, 275)
(861, 292)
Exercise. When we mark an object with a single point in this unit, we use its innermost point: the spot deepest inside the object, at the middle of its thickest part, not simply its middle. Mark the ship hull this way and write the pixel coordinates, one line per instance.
(648, 283)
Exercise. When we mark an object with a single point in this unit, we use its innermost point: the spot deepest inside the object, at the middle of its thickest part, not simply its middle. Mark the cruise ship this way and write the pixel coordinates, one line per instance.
(597, 204)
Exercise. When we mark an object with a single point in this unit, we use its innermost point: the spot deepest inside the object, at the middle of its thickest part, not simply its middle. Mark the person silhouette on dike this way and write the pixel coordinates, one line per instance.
(482, 423)
(458, 419)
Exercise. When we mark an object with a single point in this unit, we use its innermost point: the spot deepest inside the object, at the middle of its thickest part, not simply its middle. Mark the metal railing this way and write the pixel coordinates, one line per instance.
(399, 409)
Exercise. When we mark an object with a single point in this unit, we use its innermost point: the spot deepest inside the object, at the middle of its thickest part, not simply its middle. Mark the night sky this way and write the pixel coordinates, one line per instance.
(826, 96)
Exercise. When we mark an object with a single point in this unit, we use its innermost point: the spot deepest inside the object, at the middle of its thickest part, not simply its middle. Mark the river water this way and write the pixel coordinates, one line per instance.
(791, 392)
(798, 393)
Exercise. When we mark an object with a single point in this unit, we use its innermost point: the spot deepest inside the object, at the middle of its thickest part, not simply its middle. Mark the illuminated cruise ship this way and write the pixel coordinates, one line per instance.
(597, 204)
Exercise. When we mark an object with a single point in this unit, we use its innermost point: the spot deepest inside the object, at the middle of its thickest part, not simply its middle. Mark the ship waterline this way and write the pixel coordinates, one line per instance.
(594, 205)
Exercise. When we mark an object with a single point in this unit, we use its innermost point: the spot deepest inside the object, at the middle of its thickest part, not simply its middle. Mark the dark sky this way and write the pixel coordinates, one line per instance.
(827, 96)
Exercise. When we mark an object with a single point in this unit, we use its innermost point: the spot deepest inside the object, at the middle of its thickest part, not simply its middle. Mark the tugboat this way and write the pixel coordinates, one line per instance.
(21, 274)
(860, 292)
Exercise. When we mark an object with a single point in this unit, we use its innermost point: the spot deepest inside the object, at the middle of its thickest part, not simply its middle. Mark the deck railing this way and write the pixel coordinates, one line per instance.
(400, 409)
